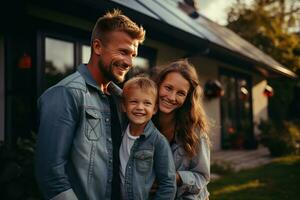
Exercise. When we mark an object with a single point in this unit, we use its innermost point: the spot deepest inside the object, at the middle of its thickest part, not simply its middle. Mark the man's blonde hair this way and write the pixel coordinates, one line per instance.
(115, 21)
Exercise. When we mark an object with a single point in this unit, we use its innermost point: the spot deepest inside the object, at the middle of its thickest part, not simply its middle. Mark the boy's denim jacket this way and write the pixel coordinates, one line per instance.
(194, 172)
(74, 148)
(150, 158)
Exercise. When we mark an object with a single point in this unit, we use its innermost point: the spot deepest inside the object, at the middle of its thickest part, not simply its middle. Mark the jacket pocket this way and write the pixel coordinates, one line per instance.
(143, 160)
(93, 124)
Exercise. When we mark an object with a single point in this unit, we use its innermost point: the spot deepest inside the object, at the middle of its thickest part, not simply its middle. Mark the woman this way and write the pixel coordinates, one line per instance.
(181, 119)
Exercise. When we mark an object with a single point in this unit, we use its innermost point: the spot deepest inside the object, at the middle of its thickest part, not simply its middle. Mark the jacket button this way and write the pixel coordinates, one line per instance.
(107, 119)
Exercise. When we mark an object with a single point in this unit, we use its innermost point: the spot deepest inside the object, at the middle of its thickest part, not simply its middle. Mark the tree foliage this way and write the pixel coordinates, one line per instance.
(270, 25)
(273, 27)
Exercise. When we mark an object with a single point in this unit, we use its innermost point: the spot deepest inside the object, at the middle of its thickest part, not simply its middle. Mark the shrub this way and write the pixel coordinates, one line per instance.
(221, 168)
(279, 138)
(17, 180)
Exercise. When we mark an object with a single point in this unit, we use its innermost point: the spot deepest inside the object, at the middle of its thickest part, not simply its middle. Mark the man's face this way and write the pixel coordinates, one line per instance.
(116, 55)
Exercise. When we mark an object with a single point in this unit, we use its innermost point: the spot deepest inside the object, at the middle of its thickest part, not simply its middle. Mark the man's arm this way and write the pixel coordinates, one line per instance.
(58, 116)
(165, 171)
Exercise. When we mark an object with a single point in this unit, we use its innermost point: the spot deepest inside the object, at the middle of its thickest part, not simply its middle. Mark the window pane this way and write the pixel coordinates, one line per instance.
(140, 65)
(85, 53)
(59, 57)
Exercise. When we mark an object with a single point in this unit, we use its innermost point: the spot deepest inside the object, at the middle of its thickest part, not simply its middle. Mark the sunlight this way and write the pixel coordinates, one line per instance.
(234, 188)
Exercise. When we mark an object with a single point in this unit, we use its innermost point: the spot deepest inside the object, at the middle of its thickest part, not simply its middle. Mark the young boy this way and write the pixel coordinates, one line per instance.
(145, 154)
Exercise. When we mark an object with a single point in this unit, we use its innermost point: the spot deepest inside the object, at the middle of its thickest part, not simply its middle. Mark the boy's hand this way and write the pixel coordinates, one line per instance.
(178, 179)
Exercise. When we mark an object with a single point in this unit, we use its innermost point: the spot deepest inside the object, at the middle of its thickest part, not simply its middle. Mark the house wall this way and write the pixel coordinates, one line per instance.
(165, 53)
(208, 69)
(260, 102)
(2, 87)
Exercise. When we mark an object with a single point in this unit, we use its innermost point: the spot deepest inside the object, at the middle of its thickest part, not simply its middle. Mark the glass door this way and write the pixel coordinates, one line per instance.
(236, 111)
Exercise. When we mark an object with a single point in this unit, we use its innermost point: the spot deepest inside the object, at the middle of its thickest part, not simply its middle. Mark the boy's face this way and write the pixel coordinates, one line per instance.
(139, 105)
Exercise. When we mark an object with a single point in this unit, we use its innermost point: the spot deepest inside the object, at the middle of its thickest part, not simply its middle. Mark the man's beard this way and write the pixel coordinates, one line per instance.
(107, 72)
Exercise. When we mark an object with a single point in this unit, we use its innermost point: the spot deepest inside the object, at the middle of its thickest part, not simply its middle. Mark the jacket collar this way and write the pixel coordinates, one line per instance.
(148, 129)
(86, 74)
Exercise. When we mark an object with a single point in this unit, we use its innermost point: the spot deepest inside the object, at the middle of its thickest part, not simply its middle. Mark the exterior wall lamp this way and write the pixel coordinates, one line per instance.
(213, 89)
(268, 91)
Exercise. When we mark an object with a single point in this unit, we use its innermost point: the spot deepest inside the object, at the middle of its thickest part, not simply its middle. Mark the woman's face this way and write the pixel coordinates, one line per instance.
(172, 92)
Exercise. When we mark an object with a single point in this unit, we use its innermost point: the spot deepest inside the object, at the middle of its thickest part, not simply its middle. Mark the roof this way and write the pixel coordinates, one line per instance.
(170, 13)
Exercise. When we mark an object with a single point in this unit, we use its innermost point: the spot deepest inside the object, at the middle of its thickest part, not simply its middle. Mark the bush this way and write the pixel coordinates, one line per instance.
(280, 138)
(221, 168)
(17, 180)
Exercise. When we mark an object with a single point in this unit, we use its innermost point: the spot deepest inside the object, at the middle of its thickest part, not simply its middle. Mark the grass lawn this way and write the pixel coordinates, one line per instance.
(276, 181)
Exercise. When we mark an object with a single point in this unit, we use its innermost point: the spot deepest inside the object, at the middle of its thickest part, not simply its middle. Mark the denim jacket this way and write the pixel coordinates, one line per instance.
(194, 172)
(74, 148)
(150, 158)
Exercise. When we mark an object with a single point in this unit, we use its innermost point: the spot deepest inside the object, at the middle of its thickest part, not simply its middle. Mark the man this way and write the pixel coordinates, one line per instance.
(80, 120)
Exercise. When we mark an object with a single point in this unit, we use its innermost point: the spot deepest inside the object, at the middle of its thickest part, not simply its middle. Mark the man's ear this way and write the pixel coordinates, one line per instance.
(97, 47)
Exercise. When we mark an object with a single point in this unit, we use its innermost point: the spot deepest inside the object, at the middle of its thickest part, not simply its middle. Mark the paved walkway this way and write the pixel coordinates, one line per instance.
(242, 159)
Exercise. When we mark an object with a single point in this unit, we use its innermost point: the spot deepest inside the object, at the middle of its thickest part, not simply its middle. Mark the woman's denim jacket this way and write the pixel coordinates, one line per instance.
(194, 172)
(74, 149)
(150, 158)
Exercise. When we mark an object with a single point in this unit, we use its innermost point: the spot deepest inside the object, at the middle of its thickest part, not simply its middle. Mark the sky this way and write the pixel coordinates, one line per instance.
(217, 10)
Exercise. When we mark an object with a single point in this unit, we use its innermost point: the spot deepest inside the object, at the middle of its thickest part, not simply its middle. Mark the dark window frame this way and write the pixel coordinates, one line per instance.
(42, 35)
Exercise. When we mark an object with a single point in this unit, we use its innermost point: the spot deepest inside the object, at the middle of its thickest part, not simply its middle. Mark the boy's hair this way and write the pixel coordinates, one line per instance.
(140, 82)
(115, 21)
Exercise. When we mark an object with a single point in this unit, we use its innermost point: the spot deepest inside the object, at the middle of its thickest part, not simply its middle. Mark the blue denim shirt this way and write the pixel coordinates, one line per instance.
(150, 158)
(194, 172)
(74, 148)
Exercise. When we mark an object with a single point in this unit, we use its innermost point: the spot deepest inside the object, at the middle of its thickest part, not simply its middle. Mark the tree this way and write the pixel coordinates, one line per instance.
(271, 25)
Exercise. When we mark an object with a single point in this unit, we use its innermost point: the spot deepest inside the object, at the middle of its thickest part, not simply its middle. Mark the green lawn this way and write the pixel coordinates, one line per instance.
(278, 180)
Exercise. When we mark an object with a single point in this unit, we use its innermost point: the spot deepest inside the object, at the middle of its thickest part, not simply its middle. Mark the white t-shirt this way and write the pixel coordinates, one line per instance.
(124, 153)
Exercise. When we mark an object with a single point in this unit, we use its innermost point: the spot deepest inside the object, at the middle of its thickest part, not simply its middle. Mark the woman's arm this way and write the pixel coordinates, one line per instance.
(195, 179)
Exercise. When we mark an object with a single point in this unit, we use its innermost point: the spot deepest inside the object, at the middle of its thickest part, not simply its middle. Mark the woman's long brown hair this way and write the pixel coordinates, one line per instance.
(190, 118)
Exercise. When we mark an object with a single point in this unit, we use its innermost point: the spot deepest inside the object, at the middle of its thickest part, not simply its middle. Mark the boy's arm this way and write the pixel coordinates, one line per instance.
(57, 124)
(194, 180)
(165, 170)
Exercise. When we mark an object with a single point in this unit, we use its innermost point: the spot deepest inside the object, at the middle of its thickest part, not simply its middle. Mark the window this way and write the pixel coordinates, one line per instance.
(143, 62)
(59, 60)
(60, 57)
(85, 53)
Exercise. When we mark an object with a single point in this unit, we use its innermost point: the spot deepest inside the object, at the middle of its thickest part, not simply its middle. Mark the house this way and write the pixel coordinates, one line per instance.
(42, 41)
